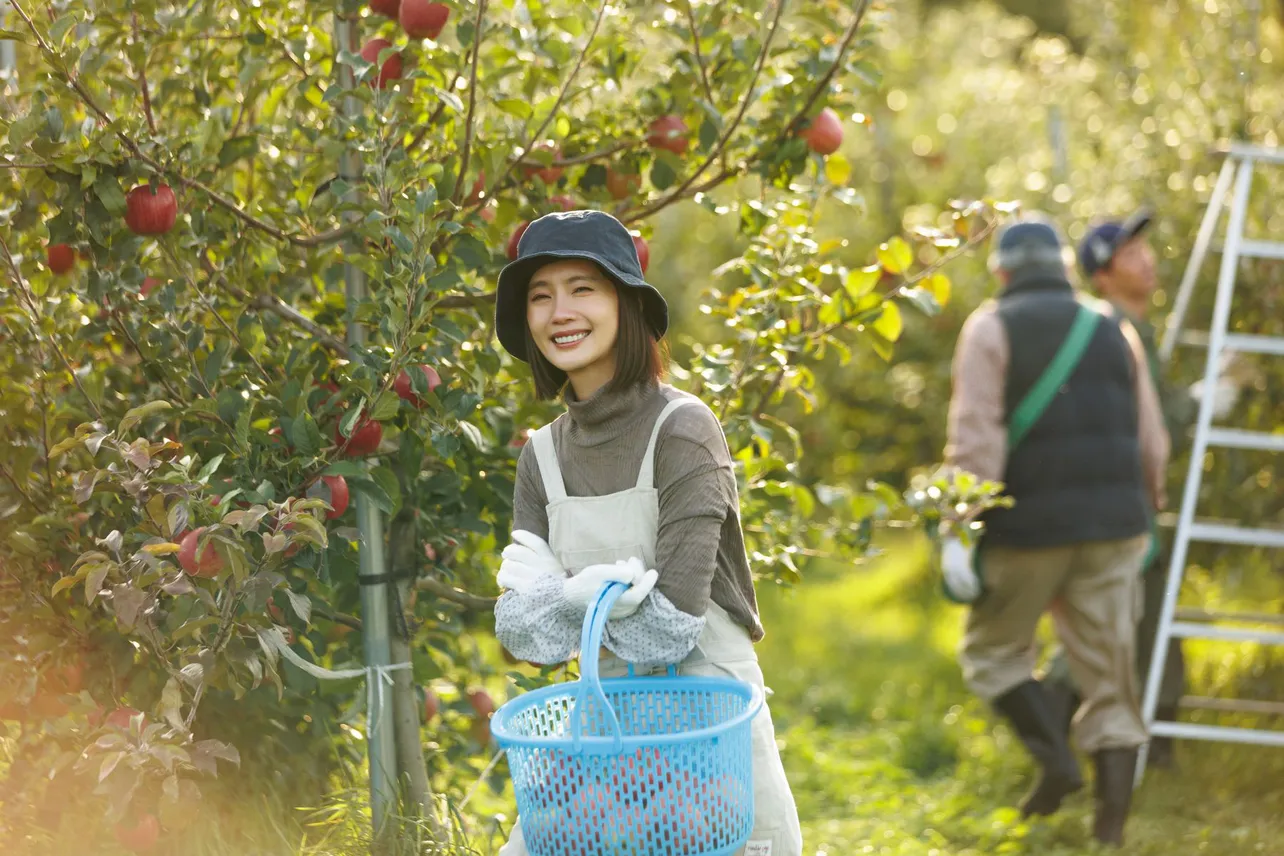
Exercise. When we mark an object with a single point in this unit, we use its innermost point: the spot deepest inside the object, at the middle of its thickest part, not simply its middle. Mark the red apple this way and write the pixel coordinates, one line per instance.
(487, 214)
(122, 716)
(210, 563)
(430, 704)
(551, 173)
(149, 283)
(364, 440)
(142, 836)
(825, 133)
(622, 185)
(519, 438)
(391, 69)
(69, 678)
(387, 8)
(564, 202)
(668, 132)
(644, 252)
(337, 489)
(405, 389)
(150, 209)
(481, 731)
(479, 186)
(61, 258)
(516, 239)
(47, 706)
(421, 19)
(482, 703)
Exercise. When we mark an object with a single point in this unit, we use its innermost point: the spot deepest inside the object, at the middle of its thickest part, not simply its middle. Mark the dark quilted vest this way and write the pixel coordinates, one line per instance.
(1076, 477)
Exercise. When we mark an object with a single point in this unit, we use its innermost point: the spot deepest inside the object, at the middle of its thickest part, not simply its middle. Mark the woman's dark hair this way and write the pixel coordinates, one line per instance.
(638, 355)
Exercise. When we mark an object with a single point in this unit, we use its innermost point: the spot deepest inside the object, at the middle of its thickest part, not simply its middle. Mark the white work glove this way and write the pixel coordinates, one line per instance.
(1233, 373)
(526, 561)
(582, 588)
(962, 585)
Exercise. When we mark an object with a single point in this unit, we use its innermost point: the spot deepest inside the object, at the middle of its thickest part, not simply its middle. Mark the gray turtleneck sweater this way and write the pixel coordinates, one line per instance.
(700, 551)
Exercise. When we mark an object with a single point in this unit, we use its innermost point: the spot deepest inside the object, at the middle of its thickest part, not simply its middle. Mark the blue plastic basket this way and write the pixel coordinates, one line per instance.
(634, 766)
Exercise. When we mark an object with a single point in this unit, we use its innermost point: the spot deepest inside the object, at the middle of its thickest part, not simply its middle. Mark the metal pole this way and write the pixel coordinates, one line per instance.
(375, 636)
(8, 57)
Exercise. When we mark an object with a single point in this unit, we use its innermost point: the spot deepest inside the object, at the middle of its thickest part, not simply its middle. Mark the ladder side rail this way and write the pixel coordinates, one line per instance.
(1207, 226)
(1190, 493)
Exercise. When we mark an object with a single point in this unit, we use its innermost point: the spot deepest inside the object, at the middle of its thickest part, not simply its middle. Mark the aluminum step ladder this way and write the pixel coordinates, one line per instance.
(1234, 181)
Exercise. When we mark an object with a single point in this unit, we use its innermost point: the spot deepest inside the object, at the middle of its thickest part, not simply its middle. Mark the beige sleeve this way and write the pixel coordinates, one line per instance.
(1151, 432)
(977, 432)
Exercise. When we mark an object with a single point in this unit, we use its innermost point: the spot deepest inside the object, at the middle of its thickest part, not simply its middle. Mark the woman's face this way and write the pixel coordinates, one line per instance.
(573, 313)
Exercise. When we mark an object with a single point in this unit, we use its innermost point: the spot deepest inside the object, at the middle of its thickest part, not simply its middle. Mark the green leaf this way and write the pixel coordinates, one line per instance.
(109, 194)
(387, 481)
(237, 148)
(371, 490)
(349, 420)
(889, 324)
(348, 469)
(386, 405)
(838, 169)
(939, 285)
(425, 199)
(399, 240)
(137, 414)
(861, 281)
(209, 469)
(663, 175)
(305, 436)
(515, 107)
(895, 256)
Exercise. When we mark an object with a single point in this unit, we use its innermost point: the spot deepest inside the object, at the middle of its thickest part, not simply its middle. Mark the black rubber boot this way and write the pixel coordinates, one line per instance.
(1160, 753)
(1026, 707)
(1115, 770)
(1063, 703)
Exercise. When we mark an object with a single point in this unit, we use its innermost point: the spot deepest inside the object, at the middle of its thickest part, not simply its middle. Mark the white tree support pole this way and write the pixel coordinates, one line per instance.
(375, 641)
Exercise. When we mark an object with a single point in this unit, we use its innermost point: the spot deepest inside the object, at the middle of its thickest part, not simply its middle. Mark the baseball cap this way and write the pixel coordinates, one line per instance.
(1101, 243)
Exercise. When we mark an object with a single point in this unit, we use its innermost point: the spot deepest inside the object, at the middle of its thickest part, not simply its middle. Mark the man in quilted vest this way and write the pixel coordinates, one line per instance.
(1085, 479)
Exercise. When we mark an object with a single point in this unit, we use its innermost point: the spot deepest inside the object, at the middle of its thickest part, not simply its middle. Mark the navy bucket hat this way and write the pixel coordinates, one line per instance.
(591, 235)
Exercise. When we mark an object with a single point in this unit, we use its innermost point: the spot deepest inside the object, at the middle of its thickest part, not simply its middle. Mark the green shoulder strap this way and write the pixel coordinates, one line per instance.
(1063, 364)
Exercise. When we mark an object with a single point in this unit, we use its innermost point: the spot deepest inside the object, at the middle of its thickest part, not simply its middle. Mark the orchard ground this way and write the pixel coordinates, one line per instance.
(886, 750)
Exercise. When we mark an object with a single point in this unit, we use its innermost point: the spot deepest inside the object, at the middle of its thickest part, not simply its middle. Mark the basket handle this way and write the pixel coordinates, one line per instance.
(590, 643)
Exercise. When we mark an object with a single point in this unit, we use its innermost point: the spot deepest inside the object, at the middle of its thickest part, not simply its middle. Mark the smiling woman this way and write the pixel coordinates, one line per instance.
(633, 484)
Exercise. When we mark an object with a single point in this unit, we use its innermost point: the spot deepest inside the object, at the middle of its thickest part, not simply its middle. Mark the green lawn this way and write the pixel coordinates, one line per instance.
(889, 754)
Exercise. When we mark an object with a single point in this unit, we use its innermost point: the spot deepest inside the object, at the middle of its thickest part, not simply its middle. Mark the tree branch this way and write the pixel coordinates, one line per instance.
(472, 105)
(337, 617)
(142, 82)
(136, 150)
(465, 301)
(468, 600)
(754, 157)
(557, 103)
(22, 284)
(601, 154)
(9, 477)
(745, 101)
(279, 307)
(699, 57)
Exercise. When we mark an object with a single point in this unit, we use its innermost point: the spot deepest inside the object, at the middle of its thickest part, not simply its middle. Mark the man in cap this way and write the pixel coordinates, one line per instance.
(1085, 473)
(1116, 258)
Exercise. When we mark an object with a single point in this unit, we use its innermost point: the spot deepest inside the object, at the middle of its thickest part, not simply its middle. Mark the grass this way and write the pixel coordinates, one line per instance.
(889, 754)
(886, 750)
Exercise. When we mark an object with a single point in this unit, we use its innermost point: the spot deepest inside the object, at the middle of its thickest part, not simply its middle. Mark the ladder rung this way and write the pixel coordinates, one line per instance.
(1238, 438)
(1271, 154)
(1221, 533)
(1255, 249)
(1197, 614)
(1248, 344)
(1222, 733)
(1190, 630)
(1234, 705)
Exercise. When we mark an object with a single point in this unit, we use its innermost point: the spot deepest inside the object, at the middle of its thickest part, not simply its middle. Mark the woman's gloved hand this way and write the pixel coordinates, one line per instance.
(582, 588)
(526, 561)
(958, 571)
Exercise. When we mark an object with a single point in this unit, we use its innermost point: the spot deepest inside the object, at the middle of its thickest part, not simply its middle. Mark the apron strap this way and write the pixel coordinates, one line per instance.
(549, 469)
(646, 474)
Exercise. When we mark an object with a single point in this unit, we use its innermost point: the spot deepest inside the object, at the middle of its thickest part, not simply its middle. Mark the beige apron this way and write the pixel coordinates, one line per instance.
(602, 529)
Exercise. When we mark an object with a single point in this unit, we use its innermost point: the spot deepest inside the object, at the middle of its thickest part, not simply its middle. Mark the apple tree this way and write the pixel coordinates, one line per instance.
(249, 255)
